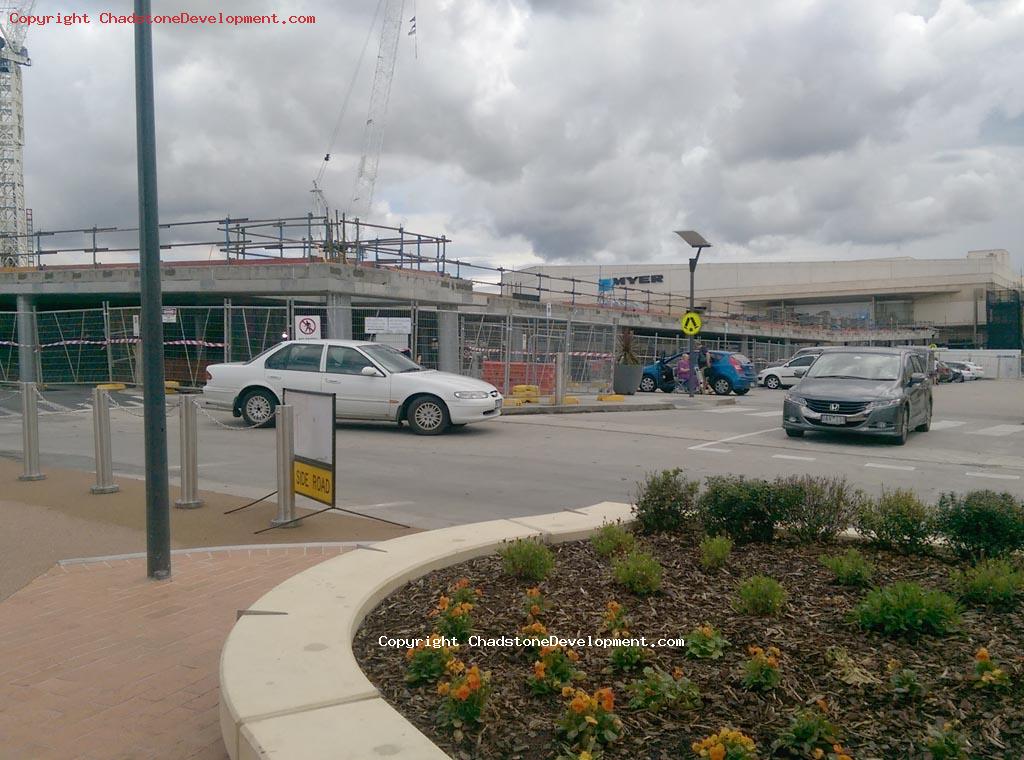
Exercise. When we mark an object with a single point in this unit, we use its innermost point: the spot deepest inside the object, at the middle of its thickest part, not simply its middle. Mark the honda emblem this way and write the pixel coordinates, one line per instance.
(833, 407)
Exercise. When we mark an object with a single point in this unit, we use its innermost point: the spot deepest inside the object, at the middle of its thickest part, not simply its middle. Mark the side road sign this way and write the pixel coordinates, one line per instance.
(314, 459)
(307, 326)
(691, 323)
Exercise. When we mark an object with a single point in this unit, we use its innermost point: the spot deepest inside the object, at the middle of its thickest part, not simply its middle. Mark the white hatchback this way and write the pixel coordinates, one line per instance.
(785, 375)
(370, 381)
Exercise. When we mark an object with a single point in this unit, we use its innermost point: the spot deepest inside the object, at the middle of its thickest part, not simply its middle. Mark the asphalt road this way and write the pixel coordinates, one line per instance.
(527, 465)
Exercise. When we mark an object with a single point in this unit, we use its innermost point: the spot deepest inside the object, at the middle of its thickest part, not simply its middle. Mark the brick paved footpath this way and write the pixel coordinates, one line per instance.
(99, 663)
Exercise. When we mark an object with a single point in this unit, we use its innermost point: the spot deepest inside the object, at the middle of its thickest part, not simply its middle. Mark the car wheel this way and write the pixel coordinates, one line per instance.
(925, 426)
(648, 384)
(795, 433)
(258, 408)
(428, 415)
(773, 383)
(721, 386)
(901, 437)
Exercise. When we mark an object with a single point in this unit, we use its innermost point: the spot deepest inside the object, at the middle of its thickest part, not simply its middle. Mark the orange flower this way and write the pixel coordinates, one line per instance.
(443, 688)
(455, 666)
(677, 672)
(605, 698)
(580, 703)
(819, 753)
(982, 655)
(545, 651)
(473, 678)
(534, 592)
(535, 609)
(462, 693)
(567, 691)
(571, 654)
(717, 752)
(460, 584)
(822, 705)
(755, 651)
(614, 607)
(539, 669)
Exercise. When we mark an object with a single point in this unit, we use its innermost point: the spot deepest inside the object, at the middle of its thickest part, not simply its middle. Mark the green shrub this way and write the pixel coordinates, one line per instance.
(760, 595)
(897, 520)
(658, 691)
(908, 609)
(666, 501)
(627, 657)
(981, 524)
(639, 572)
(761, 671)
(904, 682)
(744, 510)
(994, 582)
(612, 539)
(816, 508)
(427, 660)
(945, 742)
(714, 552)
(705, 643)
(850, 568)
(808, 731)
(527, 559)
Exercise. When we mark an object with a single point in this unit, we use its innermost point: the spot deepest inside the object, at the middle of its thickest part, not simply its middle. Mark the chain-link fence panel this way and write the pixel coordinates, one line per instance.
(251, 330)
(8, 346)
(73, 346)
(394, 325)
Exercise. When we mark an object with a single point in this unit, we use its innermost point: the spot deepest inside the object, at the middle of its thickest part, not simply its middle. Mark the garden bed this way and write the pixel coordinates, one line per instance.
(828, 664)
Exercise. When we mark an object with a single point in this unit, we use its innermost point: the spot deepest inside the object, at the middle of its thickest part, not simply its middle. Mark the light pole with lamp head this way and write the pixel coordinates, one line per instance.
(694, 240)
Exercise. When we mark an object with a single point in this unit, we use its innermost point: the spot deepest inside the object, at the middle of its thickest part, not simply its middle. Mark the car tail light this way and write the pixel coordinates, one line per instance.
(736, 364)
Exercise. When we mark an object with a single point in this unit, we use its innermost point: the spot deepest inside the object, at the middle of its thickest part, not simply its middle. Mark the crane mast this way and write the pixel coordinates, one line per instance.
(373, 137)
(14, 245)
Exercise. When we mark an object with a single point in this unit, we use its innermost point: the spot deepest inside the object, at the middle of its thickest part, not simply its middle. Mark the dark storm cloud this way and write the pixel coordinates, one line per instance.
(568, 131)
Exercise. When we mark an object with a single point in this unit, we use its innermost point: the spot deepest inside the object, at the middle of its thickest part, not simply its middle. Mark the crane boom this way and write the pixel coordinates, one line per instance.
(373, 137)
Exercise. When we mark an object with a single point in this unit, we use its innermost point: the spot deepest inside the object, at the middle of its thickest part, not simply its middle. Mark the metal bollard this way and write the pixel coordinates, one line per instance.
(30, 433)
(285, 454)
(101, 437)
(559, 379)
(189, 457)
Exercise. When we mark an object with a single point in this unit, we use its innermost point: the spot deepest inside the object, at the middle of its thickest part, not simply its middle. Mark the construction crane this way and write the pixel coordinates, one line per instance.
(14, 246)
(373, 136)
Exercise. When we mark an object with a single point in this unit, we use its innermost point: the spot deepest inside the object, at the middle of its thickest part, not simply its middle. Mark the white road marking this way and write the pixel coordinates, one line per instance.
(773, 413)
(709, 444)
(991, 475)
(946, 424)
(790, 456)
(877, 466)
(382, 505)
(716, 451)
(999, 430)
(726, 410)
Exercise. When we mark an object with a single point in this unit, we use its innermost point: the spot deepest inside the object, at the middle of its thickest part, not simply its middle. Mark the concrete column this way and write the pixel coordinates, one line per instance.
(27, 339)
(448, 341)
(339, 316)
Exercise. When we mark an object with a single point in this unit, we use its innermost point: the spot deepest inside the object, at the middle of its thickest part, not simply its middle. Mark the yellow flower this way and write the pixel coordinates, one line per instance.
(584, 755)
(591, 720)
(567, 691)
(774, 651)
(706, 630)
(455, 666)
(892, 665)
(443, 688)
(819, 753)
(571, 654)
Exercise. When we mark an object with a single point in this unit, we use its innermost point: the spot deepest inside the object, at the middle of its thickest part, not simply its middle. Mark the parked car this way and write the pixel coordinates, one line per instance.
(371, 381)
(966, 373)
(869, 391)
(784, 375)
(947, 374)
(727, 372)
(659, 375)
(977, 370)
(809, 351)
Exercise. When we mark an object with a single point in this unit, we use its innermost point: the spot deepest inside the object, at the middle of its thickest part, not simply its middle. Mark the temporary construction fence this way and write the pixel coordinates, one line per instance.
(103, 345)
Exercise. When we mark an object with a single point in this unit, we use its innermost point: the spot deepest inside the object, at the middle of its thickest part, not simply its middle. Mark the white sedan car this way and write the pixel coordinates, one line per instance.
(784, 375)
(370, 382)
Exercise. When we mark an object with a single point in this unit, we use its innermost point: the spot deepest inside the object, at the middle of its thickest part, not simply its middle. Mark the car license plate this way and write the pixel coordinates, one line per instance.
(833, 419)
(497, 404)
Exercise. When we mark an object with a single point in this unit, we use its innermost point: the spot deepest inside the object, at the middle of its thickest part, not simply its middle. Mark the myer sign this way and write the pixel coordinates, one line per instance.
(640, 279)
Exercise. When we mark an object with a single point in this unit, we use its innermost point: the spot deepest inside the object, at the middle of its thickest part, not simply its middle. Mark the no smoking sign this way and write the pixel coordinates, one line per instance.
(307, 326)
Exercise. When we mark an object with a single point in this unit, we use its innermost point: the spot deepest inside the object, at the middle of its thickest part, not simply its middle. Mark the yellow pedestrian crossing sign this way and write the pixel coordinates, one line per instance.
(690, 322)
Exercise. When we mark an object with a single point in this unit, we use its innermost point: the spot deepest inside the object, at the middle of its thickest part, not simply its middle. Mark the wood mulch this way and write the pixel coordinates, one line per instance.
(874, 724)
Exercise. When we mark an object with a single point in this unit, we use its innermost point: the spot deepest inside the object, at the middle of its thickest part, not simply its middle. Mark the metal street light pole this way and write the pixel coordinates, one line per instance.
(158, 517)
(695, 240)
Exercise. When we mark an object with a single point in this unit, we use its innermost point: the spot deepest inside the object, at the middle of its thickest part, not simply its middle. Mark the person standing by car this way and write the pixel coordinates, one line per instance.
(702, 366)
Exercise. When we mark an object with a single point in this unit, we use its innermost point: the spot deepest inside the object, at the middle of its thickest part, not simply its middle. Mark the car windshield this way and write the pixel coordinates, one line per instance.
(856, 366)
(390, 359)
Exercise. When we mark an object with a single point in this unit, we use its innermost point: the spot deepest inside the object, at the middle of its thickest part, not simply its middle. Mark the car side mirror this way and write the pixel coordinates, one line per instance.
(370, 372)
(800, 371)
(917, 378)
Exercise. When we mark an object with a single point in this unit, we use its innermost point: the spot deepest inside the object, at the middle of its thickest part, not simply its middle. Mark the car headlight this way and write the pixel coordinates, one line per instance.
(882, 404)
(472, 394)
(798, 400)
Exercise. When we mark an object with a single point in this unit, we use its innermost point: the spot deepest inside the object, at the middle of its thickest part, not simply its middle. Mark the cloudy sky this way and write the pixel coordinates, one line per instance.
(564, 130)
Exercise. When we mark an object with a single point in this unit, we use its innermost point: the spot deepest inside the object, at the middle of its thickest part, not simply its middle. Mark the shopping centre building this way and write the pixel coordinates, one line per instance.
(972, 302)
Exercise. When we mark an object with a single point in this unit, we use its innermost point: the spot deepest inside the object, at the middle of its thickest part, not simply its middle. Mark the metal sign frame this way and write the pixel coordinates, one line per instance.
(330, 469)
